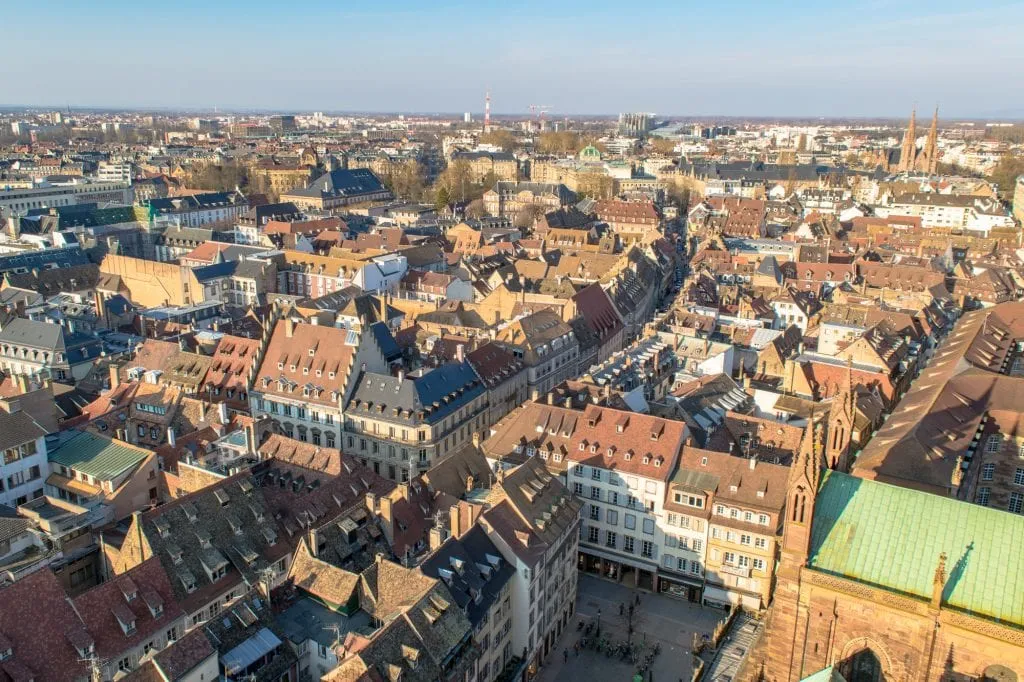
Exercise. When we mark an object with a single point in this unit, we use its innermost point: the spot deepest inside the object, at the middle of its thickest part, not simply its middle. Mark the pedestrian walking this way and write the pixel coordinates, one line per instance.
(638, 600)
(565, 655)
(620, 608)
(576, 646)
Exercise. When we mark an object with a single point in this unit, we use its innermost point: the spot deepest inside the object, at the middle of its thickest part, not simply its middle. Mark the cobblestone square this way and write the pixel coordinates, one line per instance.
(658, 619)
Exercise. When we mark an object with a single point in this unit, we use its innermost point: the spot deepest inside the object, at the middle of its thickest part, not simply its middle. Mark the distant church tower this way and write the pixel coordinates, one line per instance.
(927, 160)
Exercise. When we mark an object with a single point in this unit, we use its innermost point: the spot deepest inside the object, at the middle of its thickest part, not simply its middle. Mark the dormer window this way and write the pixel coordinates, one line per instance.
(125, 618)
(583, 446)
(647, 459)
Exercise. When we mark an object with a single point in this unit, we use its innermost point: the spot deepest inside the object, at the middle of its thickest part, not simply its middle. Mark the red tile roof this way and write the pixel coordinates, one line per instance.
(104, 605)
(38, 621)
(313, 348)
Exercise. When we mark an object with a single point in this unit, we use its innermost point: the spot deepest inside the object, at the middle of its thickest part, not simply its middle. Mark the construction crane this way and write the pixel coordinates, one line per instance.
(539, 111)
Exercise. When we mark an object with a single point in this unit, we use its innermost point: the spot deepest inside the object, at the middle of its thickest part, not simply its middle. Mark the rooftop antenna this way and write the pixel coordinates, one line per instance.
(95, 667)
(487, 111)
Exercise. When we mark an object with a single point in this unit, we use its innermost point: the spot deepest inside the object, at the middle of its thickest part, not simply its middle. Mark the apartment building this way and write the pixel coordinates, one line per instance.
(504, 377)
(305, 274)
(31, 347)
(546, 345)
(618, 464)
(745, 500)
(117, 626)
(533, 520)
(953, 211)
(111, 478)
(73, 191)
(480, 579)
(305, 375)
(199, 210)
(399, 425)
(216, 546)
(338, 188)
(23, 466)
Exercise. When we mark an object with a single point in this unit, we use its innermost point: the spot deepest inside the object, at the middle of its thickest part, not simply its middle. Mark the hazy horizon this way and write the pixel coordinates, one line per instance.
(875, 60)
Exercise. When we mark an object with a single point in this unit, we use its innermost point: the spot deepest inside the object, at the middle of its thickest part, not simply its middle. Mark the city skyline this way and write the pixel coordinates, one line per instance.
(871, 61)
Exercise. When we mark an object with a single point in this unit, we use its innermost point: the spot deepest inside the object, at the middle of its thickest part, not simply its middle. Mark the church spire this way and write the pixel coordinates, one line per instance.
(806, 469)
(908, 153)
(801, 490)
(931, 147)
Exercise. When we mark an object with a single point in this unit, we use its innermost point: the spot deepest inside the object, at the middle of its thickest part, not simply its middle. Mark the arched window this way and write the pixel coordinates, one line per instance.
(864, 666)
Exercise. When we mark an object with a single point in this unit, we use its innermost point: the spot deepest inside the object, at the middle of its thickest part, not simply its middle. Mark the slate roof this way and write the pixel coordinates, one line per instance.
(473, 570)
(18, 428)
(430, 397)
(341, 183)
(99, 457)
(205, 273)
(891, 537)
(385, 341)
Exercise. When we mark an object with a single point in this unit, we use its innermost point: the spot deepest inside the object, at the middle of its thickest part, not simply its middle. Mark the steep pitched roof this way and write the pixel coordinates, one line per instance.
(43, 630)
(319, 578)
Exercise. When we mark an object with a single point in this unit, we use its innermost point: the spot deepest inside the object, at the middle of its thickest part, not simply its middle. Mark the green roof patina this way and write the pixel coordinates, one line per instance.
(828, 674)
(891, 537)
(99, 457)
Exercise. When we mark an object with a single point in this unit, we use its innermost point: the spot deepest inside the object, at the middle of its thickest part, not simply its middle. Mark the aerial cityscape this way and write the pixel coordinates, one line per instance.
(360, 364)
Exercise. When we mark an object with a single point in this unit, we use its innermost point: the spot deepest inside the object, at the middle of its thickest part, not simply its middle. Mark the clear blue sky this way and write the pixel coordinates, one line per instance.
(798, 58)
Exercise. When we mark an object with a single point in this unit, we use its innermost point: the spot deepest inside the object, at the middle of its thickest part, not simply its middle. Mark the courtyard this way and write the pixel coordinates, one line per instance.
(658, 619)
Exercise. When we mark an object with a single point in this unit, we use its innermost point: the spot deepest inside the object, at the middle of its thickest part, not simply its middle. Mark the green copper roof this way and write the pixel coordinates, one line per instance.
(97, 456)
(828, 674)
(891, 537)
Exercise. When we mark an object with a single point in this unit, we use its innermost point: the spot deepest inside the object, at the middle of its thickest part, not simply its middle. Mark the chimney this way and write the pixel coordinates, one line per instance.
(463, 515)
(551, 398)
(222, 412)
(371, 502)
(753, 463)
(383, 307)
(289, 327)
(689, 441)
(401, 375)
(535, 395)
(171, 439)
(568, 402)
(202, 410)
(460, 352)
(403, 490)
(115, 376)
(385, 512)
(437, 537)
(250, 439)
(476, 439)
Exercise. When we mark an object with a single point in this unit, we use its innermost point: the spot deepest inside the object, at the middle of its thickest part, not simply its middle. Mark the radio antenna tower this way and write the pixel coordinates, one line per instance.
(487, 112)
